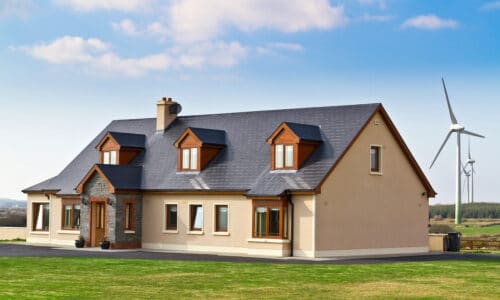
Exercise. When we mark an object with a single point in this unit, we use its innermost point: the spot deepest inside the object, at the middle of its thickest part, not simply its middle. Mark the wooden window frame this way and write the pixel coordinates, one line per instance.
(189, 163)
(71, 202)
(168, 228)
(191, 219)
(284, 156)
(283, 228)
(379, 159)
(216, 218)
(131, 226)
(35, 216)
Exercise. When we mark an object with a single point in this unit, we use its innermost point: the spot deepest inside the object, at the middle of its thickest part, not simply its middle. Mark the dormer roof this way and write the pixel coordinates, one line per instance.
(117, 177)
(124, 140)
(302, 132)
(204, 136)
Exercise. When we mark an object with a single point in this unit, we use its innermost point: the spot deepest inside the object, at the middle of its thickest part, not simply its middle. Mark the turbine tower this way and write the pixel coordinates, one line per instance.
(459, 129)
(471, 163)
(467, 180)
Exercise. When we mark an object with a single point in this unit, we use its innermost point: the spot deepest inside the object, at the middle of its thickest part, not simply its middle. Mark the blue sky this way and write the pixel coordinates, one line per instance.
(70, 67)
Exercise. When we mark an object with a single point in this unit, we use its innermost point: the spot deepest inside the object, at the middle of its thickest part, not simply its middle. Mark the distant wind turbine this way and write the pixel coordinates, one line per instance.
(471, 163)
(467, 180)
(455, 127)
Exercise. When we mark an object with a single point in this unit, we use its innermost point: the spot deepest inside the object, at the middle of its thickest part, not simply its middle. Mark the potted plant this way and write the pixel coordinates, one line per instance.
(105, 243)
(80, 242)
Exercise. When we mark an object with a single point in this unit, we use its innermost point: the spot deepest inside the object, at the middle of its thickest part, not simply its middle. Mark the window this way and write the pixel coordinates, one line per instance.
(283, 156)
(375, 153)
(41, 216)
(221, 218)
(71, 214)
(270, 219)
(129, 215)
(196, 217)
(190, 159)
(171, 213)
(109, 158)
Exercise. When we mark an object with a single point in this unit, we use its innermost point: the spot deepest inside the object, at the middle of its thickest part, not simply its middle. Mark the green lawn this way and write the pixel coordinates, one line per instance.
(79, 278)
(479, 230)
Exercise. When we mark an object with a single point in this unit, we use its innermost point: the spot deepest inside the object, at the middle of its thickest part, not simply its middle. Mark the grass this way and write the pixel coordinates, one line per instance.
(487, 228)
(78, 278)
(14, 240)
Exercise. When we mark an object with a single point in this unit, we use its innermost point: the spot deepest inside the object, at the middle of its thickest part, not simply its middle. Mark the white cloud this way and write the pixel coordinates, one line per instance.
(193, 20)
(68, 49)
(16, 8)
(96, 54)
(429, 22)
(91, 5)
(157, 28)
(273, 48)
(491, 5)
(126, 26)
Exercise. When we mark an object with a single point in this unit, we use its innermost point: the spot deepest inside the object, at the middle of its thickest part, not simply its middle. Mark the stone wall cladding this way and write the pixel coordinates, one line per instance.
(96, 187)
(120, 235)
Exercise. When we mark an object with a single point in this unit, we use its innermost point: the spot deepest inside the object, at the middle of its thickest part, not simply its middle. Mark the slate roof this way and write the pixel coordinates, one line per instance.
(243, 165)
(305, 132)
(210, 136)
(129, 140)
(122, 177)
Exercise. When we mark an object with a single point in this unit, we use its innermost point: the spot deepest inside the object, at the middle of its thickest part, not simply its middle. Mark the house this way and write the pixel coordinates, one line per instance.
(310, 182)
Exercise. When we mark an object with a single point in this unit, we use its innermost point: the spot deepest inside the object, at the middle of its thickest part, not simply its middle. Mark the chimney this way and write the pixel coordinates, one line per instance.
(167, 111)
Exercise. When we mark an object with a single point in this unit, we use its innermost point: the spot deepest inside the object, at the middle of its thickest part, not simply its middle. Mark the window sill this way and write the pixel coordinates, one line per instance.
(129, 231)
(170, 231)
(192, 172)
(269, 241)
(221, 233)
(376, 173)
(40, 232)
(68, 231)
(195, 232)
(283, 171)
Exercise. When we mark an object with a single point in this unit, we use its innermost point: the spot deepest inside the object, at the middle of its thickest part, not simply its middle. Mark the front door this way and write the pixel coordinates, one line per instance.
(97, 222)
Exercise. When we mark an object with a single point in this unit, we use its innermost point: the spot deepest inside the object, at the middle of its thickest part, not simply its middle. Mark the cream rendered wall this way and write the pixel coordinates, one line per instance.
(304, 206)
(238, 239)
(55, 235)
(359, 213)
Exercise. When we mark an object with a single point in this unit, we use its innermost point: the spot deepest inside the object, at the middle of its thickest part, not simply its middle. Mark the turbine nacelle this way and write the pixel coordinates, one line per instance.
(456, 127)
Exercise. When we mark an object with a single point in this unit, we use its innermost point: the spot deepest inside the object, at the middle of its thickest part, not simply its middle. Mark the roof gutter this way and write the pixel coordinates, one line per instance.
(288, 195)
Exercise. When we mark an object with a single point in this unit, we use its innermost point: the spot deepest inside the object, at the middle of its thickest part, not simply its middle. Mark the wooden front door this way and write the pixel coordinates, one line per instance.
(97, 222)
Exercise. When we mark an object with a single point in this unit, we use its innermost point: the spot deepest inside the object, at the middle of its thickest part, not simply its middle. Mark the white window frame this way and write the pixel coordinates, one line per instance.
(196, 232)
(113, 157)
(222, 233)
(281, 157)
(288, 158)
(380, 159)
(164, 226)
(106, 157)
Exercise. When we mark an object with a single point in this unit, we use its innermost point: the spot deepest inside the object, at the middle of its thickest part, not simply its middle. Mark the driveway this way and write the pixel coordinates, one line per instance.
(23, 250)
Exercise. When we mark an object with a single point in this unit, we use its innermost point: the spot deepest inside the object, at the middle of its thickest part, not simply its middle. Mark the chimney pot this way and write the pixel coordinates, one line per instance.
(169, 100)
(164, 98)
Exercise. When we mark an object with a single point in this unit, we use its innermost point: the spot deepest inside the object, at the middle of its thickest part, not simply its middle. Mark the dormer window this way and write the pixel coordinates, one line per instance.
(120, 148)
(109, 157)
(283, 156)
(190, 159)
(197, 147)
(291, 144)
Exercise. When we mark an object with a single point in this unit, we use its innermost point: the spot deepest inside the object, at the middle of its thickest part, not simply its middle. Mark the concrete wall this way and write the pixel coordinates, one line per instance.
(55, 235)
(12, 233)
(238, 239)
(303, 225)
(359, 213)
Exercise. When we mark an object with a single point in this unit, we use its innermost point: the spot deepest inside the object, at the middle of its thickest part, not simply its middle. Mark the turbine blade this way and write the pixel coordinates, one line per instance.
(452, 115)
(472, 133)
(441, 148)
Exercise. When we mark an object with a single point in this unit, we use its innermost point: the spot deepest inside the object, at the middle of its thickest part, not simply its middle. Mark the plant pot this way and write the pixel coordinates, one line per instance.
(79, 243)
(105, 244)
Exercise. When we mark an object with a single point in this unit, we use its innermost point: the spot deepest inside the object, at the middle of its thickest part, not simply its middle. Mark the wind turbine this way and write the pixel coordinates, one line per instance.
(471, 162)
(459, 129)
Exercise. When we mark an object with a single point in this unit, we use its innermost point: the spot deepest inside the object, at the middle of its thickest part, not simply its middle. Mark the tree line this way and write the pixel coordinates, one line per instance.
(470, 210)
